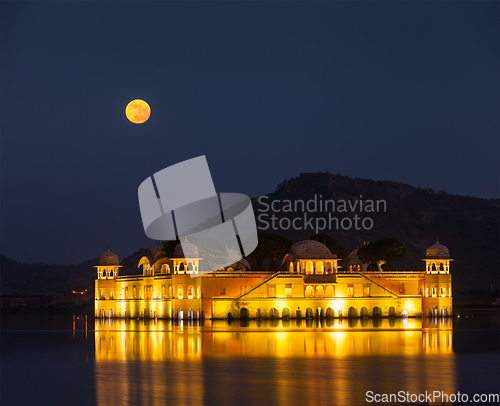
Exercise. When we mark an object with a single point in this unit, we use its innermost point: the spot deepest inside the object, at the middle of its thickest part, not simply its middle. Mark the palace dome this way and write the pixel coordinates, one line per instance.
(107, 258)
(233, 255)
(156, 250)
(437, 250)
(354, 256)
(188, 251)
(311, 249)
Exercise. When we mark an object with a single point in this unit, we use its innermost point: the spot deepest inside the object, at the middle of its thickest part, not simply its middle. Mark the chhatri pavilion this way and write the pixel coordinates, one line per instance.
(313, 285)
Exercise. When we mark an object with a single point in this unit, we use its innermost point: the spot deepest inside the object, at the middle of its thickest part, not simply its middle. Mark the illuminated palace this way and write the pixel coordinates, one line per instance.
(313, 285)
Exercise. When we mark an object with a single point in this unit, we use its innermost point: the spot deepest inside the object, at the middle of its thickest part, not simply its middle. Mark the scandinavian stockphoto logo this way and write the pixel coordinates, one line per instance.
(180, 201)
(318, 214)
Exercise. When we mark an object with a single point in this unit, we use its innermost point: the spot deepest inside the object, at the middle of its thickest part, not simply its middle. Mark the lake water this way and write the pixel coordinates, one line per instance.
(64, 360)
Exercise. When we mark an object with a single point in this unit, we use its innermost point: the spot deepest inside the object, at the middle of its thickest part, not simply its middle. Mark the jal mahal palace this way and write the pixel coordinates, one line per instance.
(313, 286)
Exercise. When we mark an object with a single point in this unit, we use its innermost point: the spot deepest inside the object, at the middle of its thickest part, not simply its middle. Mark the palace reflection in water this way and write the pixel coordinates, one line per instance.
(285, 362)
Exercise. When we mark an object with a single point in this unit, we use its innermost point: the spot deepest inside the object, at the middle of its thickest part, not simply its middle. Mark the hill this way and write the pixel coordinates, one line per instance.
(17, 278)
(468, 226)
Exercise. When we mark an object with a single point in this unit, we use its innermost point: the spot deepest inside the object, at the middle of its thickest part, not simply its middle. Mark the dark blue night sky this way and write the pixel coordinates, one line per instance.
(404, 91)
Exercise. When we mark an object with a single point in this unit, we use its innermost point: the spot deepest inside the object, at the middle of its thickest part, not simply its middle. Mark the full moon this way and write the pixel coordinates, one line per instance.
(138, 111)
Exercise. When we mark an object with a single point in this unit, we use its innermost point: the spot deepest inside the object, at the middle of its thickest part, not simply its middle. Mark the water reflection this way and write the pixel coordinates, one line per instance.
(158, 340)
(297, 361)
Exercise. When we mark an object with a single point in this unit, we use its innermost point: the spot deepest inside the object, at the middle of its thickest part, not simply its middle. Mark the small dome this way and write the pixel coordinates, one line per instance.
(233, 255)
(311, 249)
(353, 255)
(437, 251)
(156, 250)
(352, 260)
(107, 258)
(188, 251)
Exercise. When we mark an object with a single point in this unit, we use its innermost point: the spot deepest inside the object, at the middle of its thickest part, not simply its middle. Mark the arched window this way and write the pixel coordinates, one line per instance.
(320, 292)
(180, 293)
(190, 292)
(190, 266)
(433, 267)
(309, 291)
(329, 267)
(163, 291)
(319, 268)
(441, 267)
(170, 293)
(103, 273)
(134, 292)
(290, 269)
(111, 272)
(309, 268)
(181, 267)
(330, 291)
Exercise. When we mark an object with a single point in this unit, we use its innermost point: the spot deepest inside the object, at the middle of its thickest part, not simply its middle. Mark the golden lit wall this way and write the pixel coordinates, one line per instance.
(217, 295)
(221, 307)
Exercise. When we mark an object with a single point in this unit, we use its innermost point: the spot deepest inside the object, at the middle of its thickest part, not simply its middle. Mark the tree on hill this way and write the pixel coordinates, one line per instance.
(212, 252)
(274, 266)
(269, 246)
(334, 245)
(168, 248)
(385, 249)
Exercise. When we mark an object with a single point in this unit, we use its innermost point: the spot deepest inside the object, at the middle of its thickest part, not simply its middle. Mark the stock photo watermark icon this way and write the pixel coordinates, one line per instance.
(180, 201)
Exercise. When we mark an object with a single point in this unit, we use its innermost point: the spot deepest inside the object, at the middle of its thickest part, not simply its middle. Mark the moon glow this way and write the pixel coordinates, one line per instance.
(138, 111)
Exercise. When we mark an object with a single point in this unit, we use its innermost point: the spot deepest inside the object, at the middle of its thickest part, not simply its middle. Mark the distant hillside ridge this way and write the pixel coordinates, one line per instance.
(468, 226)
(17, 278)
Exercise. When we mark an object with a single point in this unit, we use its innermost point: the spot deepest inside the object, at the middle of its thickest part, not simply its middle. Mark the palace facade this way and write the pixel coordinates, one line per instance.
(313, 285)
